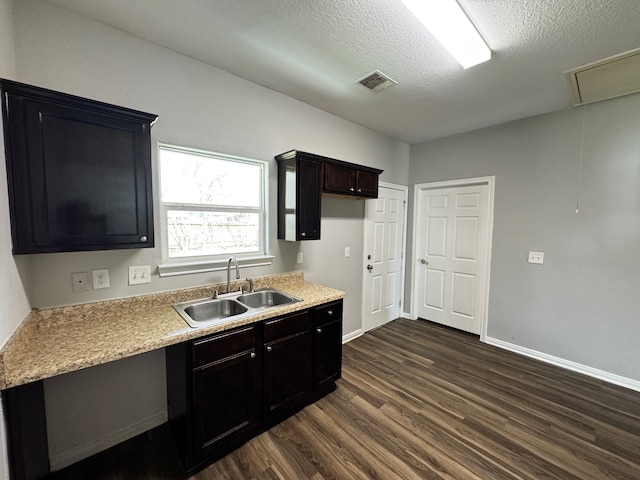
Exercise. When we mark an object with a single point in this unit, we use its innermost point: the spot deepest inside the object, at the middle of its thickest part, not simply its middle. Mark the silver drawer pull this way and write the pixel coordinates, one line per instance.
(269, 349)
(329, 312)
(319, 330)
(253, 354)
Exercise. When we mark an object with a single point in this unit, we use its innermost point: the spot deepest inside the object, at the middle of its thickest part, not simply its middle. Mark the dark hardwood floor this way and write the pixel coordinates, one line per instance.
(419, 401)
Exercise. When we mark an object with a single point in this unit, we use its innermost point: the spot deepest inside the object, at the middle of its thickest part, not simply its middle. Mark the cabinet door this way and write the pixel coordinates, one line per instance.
(287, 378)
(366, 184)
(327, 346)
(225, 400)
(308, 200)
(327, 351)
(287, 356)
(338, 179)
(298, 199)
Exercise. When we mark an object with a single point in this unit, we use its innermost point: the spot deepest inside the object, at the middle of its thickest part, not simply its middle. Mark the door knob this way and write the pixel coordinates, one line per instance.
(368, 257)
(369, 267)
(423, 261)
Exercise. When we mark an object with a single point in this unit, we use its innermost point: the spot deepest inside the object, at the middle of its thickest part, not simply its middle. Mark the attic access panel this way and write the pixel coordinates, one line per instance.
(611, 77)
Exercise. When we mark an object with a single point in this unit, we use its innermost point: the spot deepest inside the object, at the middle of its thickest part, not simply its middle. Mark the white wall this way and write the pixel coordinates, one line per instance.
(203, 107)
(14, 305)
(582, 305)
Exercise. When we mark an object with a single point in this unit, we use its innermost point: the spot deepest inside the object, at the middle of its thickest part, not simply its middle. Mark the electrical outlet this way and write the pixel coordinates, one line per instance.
(300, 257)
(139, 274)
(347, 252)
(536, 257)
(80, 281)
(100, 278)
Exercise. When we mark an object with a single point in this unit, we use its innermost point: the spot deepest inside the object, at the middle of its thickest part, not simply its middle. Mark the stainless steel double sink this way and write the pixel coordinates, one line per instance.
(213, 311)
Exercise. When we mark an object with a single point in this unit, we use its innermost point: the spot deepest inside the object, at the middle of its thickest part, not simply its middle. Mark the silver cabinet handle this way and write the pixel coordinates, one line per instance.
(329, 312)
(423, 261)
(143, 238)
(359, 190)
(269, 349)
(319, 330)
(303, 234)
(351, 189)
(253, 354)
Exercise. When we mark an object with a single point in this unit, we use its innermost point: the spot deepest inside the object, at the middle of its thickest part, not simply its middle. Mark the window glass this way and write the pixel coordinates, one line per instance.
(212, 204)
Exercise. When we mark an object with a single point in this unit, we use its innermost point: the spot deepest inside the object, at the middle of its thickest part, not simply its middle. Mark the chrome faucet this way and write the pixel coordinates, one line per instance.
(234, 260)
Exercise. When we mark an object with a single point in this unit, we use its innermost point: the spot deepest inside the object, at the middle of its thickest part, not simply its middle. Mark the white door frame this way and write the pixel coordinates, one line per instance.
(405, 191)
(418, 190)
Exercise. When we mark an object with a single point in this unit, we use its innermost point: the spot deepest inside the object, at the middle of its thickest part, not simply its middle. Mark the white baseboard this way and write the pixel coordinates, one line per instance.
(407, 315)
(80, 452)
(568, 364)
(352, 336)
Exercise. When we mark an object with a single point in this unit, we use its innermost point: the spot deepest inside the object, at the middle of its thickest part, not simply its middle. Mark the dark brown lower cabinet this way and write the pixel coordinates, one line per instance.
(225, 388)
(327, 347)
(225, 400)
(213, 392)
(287, 355)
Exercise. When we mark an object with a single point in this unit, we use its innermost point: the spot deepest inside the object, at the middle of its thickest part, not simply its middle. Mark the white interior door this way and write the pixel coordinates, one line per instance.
(451, 251)
(384, 257)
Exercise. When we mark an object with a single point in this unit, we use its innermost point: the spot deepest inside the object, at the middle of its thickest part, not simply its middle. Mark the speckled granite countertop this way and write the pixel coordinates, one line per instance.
(54, 341)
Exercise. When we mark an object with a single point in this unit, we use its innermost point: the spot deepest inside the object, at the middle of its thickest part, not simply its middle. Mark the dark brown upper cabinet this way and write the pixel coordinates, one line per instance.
(302, 179)
(298, 197)
(350, 181)
(79, 172)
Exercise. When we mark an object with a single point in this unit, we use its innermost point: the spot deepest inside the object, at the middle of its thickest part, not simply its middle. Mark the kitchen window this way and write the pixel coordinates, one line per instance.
(213, 207)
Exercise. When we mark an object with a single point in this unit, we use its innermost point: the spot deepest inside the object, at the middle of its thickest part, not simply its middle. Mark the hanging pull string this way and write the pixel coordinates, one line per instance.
(584, 116)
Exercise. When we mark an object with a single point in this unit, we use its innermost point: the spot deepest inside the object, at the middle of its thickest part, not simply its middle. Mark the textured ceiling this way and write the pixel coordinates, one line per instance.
(314, 50)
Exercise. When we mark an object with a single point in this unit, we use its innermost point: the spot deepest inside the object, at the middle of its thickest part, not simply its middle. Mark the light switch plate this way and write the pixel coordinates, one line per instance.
(536, 257)
(139, 274)
(300, 257)
(100, 278)
(347, 252)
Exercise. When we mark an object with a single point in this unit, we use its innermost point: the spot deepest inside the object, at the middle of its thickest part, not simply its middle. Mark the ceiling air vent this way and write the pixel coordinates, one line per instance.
(376, 81)
(612, 77)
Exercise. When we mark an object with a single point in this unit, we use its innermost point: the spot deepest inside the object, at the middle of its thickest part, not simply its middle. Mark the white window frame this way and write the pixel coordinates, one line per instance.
(211, 263)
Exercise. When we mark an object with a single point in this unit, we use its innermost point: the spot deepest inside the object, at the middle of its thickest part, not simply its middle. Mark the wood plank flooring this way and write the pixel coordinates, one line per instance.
(420, 401)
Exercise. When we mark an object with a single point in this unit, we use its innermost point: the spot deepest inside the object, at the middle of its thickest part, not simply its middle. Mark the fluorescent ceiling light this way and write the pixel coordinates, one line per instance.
(446, 21)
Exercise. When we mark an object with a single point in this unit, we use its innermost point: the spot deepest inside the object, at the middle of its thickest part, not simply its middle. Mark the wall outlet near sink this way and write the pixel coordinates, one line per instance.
(100, 278)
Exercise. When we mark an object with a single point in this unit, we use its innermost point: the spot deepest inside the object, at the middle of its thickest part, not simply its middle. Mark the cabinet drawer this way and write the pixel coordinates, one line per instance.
(283, 327)
(327, 313)
(223, 345)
